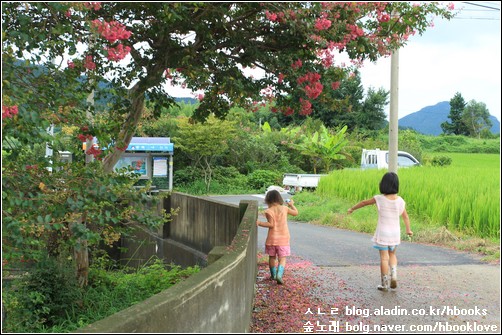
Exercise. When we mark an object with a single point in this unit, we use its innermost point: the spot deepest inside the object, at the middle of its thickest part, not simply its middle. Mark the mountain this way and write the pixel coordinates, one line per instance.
(188, 101)
(428, 120)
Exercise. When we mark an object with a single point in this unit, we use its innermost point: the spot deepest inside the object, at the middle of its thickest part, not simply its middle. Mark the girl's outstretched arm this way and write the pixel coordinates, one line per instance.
(363, 203)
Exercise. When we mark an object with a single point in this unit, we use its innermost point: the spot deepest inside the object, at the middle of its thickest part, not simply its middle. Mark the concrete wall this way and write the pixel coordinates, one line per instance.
(218, 299)
(198, 226)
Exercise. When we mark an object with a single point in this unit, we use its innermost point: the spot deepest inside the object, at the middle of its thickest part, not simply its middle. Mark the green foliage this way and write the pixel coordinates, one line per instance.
(460, 144)
(469, 119)
(320, 146)
(203, 142)
(456, 126)
(53, 212)
(261, 179)
(441, 161)
(274, 35)
(409, 141)
(47, 299)
(42, 297)
(476, 118)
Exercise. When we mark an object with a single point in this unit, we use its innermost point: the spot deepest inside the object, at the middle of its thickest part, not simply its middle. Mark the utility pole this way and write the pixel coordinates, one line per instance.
(89, 142)
(393, 112)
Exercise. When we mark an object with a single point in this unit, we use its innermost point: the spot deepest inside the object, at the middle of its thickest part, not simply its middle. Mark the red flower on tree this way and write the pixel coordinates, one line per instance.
(9, 111)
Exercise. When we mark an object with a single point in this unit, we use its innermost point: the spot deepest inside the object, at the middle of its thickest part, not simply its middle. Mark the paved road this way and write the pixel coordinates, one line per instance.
(465, 290)
(332, 247)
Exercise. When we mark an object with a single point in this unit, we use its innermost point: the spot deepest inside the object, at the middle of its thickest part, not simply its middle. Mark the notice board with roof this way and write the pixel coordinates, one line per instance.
(152, 159)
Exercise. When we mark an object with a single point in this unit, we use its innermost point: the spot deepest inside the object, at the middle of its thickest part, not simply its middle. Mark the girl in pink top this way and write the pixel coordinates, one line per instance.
(387, 235)
(277, 243)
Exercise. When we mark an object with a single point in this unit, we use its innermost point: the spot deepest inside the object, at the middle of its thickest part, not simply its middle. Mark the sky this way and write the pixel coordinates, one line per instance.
(458, 55)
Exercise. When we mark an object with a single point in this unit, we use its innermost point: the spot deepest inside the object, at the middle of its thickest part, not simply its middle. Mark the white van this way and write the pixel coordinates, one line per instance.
(379, 159)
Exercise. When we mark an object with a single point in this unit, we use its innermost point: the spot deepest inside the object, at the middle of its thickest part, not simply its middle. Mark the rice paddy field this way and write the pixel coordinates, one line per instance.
(464, 196)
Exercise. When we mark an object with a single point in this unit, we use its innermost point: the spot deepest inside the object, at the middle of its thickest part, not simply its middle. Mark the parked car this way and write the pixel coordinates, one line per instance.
(379, 159)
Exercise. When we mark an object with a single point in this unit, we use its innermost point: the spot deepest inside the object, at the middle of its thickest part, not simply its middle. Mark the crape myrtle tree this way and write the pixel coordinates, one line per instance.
(214, 48)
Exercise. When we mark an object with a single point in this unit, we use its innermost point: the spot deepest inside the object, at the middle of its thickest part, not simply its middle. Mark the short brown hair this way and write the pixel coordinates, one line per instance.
(273, 196)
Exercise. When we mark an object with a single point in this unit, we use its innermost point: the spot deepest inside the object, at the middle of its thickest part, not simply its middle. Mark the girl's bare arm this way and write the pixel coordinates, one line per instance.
(269, 223)
(406, 220)
(363, 203)
(291, 208)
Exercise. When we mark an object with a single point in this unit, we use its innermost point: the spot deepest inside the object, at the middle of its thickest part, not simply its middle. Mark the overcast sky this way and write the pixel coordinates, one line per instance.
(461, 55)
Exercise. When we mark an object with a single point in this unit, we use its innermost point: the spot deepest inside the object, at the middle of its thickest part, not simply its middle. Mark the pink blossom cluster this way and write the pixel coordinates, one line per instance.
(118, 53)
(322, 24)
(84, 138)
(111, 31)
(327, 57)
(89, 63)
(288, 111)
(9, 111)
(278, 17)
(95, 151)
(306, 107)
(271, 16)
(355, 31)
(384, 17)
(335, 85)
(313, 88)
(296, 65)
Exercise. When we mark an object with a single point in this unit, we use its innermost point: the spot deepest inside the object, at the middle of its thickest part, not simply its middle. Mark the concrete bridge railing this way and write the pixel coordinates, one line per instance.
(219, 298)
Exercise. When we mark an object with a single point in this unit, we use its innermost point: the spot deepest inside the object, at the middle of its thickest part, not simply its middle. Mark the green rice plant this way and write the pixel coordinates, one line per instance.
(464, 196)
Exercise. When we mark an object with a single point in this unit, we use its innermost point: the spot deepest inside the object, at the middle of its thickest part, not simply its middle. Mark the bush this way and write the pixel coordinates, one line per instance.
(48, 299)
(261, 179)
(42, 297)
(441, 161)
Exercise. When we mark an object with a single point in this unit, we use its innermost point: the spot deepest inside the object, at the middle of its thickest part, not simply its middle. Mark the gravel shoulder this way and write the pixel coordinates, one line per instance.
(464, 298)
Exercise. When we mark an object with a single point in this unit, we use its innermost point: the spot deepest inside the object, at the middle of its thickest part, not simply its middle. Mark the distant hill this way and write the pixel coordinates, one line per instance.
(428, 120)
(188, 101)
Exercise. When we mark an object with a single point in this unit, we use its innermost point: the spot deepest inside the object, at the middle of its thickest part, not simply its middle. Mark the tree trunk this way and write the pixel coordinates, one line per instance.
(81, 252)
(81, 255)
(129, 127)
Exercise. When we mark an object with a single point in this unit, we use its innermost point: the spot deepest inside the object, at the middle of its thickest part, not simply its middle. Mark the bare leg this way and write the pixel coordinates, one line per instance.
(393, 268)
(392, 258)
(272, 261)
(384, 262)
(384, 270)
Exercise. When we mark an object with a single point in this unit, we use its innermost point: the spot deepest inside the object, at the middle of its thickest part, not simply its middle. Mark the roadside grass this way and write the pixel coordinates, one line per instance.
(35, 308)
(332, 211)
